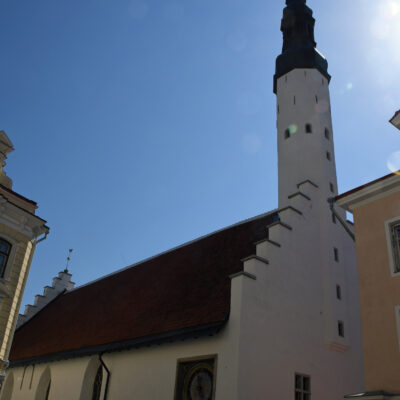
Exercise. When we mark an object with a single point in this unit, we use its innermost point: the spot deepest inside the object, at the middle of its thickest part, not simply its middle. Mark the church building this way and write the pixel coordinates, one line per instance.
(267, 308)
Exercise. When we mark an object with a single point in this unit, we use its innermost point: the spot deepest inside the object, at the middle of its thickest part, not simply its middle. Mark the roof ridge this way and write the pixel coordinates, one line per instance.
(172, 249)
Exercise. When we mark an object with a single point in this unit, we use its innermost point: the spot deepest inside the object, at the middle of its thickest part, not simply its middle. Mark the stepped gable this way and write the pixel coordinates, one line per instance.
(175, 293)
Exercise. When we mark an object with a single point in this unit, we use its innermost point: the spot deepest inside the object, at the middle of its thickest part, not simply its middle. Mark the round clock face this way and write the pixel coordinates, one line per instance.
(200, 384)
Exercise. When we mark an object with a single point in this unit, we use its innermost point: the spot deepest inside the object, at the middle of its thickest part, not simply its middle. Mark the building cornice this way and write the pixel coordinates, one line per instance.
(370, 192)
(21, 220)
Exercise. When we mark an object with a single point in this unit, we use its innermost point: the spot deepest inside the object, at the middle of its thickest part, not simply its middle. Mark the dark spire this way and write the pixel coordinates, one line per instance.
(298, 49)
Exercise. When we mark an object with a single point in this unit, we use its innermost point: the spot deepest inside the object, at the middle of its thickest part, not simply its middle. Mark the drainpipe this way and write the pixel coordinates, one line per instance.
(331, 202)
(108, 375)
(43, 238)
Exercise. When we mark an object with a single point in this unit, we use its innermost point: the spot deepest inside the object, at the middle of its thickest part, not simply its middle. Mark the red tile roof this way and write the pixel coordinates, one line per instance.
(185, 288)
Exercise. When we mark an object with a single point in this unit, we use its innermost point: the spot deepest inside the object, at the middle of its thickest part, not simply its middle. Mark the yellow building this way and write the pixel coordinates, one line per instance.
(20, 231)
(376, 210)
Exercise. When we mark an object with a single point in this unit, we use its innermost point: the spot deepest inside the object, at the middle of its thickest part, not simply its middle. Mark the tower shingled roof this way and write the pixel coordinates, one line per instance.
(299, 47)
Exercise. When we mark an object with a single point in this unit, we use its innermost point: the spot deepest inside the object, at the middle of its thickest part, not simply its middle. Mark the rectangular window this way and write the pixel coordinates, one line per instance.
(338, 292)
(328, 156)
(336, 254)
(397, 311)
(341, 328)
(394, 236)
(302, 387)
(331, 187)
(327, 133)
(308, 128)
(333, 218)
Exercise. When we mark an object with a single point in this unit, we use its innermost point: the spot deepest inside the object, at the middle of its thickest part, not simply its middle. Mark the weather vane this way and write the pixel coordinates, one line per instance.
(68, 260)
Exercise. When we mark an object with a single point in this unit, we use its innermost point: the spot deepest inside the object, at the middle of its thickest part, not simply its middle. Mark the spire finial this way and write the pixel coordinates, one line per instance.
(68, 260)
(299, 47)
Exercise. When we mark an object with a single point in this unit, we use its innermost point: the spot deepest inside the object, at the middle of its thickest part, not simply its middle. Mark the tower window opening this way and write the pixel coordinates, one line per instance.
(336, 254)
(334, 218)
(316, 99)
(341, 328)
(308, 128)
(327, 135)
(338, 292)
(278, 108)
(287, 134)
(328, 156)
(331, 187)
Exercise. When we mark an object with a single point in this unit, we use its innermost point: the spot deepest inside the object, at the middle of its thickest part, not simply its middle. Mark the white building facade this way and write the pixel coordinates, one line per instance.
(290, 325)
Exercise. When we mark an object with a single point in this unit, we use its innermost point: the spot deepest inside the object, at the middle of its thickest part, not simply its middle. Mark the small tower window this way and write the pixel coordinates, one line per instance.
(5, 249)
(338, 292)
(287, 134)
(316, 99)
(278, 108)
(336, 254)
(341, 328)
(333, 218)
(328, 156)
(308, 128)
(327, 135)
(331, 187)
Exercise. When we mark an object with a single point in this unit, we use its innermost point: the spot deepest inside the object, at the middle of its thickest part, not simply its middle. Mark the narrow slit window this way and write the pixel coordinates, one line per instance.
(327, 136)
(334, 218)
(331, 187)
(341, 328)
(278, 108)
(316, 99)
(287, 134)
(328, 156)
(336, 254)
(308, 128)
(338, 292)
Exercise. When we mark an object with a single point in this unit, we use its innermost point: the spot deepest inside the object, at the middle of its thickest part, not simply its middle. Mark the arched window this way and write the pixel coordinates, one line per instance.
(5, 249)
(47, 392)
(97, 384)
(308, 128)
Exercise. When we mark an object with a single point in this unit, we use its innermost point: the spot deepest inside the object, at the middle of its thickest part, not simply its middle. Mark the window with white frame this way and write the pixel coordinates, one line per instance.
(397, 311)
(393, 231)
(302, 384)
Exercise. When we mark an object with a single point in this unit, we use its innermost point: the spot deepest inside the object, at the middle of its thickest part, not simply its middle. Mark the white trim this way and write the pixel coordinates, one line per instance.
(389, 245)
(370, 193)
(397, 311)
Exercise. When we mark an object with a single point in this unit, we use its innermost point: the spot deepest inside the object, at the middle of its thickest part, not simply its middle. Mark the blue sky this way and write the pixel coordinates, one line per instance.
(141, 124)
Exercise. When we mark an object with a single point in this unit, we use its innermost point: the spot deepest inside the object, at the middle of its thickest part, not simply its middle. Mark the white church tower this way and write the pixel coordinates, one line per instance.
(306, 160)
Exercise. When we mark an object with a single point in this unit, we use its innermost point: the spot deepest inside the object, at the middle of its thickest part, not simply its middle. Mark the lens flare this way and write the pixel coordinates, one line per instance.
(393, 163)
(349, 86)
(293, 129)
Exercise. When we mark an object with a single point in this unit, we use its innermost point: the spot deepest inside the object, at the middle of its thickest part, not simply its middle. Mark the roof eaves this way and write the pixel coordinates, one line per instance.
(168, 337)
